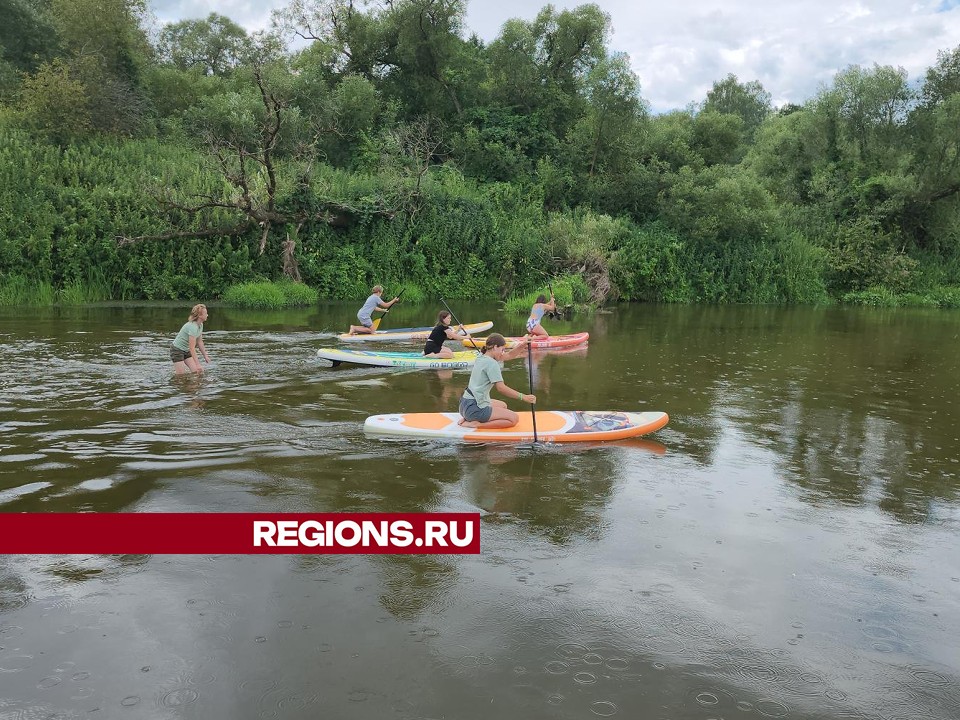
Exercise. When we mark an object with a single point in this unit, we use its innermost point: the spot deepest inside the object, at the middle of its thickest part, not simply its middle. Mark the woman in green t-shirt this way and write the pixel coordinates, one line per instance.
(183, 352)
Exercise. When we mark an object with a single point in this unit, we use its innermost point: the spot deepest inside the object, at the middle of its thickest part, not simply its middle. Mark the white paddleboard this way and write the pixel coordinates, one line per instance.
(552, 426)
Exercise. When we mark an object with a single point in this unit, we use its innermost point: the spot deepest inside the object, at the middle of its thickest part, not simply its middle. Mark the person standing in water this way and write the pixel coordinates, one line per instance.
(365, 314)
(477, 408)
(183, 352)
(540, 307)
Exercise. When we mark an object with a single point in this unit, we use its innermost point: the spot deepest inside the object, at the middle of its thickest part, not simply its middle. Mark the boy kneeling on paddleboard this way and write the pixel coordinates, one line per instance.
(365, 314)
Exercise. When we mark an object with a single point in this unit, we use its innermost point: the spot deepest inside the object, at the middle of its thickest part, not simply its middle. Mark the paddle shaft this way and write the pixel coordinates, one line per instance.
(533, 406)
(472, 341)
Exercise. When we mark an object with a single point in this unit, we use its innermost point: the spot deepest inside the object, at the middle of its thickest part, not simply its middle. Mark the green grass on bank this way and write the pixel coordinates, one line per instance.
(941, 297)
(570, 291)
(18, 291)
(269, 295)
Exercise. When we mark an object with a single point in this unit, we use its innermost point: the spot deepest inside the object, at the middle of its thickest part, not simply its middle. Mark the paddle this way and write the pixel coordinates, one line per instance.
(533, 406)
(472, 341)
(376, 323)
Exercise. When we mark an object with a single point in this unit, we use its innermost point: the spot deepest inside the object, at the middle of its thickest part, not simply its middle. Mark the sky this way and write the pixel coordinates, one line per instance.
(679, 49)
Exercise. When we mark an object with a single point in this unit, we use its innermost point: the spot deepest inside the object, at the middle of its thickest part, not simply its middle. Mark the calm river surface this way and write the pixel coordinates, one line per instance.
(787, 547)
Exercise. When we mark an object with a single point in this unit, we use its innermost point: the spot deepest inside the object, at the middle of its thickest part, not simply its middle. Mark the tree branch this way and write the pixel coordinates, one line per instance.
(233, 231)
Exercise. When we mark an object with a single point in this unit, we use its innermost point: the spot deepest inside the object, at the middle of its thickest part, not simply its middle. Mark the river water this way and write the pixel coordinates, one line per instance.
(787, 547)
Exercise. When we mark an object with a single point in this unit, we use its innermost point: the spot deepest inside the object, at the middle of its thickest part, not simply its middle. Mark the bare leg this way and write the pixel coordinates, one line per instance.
(500, 417)
(538, 331)
(360, 330)
(445, 353)
(194, 365)
(179, 368)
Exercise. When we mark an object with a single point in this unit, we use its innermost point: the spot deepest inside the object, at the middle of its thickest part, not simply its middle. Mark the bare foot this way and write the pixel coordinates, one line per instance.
(468, 423)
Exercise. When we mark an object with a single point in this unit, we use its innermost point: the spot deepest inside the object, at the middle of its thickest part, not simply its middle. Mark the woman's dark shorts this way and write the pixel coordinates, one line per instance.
(178, 355)
(472, 412)
(431, 348)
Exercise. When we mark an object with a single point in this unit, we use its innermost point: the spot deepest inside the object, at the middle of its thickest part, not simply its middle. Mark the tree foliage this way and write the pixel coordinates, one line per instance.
(748, 101)
(26, 34)
(214, 45)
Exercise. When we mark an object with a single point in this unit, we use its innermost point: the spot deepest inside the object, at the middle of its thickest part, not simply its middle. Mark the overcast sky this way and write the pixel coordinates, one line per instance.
(679, 49)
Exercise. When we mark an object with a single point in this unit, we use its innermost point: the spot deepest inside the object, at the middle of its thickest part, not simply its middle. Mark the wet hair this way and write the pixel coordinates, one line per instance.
(541, 298)
(377, 289)
(494, 340)
(441, 315)
(195, 312)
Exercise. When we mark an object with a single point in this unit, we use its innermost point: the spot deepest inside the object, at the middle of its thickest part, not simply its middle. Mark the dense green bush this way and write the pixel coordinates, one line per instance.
(863, 255)
(570, 291)
(654, 265)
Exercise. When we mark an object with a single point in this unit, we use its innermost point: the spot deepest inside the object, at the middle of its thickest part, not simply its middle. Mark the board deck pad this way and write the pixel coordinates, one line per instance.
(552, 426)
(409, 334)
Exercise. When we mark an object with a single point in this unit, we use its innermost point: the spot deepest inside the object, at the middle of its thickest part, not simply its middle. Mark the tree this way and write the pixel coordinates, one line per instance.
(748, 101)
(109, 30)
(341, 113)
(411, 49)
(942, 80)
(55, 101)
(570, 43)
(105, 48)
(934, 127)
(670, 141)
(350, 39)
(215, 45)
(246, 134)
(613, 94)
(785, 153)
(540, 70)
(27, 37)
(514, 73)
(717, 137)
(425, 55)
(871, 107)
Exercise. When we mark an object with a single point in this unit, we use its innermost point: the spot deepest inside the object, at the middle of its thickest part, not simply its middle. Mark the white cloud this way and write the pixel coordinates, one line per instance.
(679, 49)
(251, 14)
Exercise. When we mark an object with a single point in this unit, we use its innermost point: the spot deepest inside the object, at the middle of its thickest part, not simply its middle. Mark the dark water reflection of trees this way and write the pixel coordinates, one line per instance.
(854, 406)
